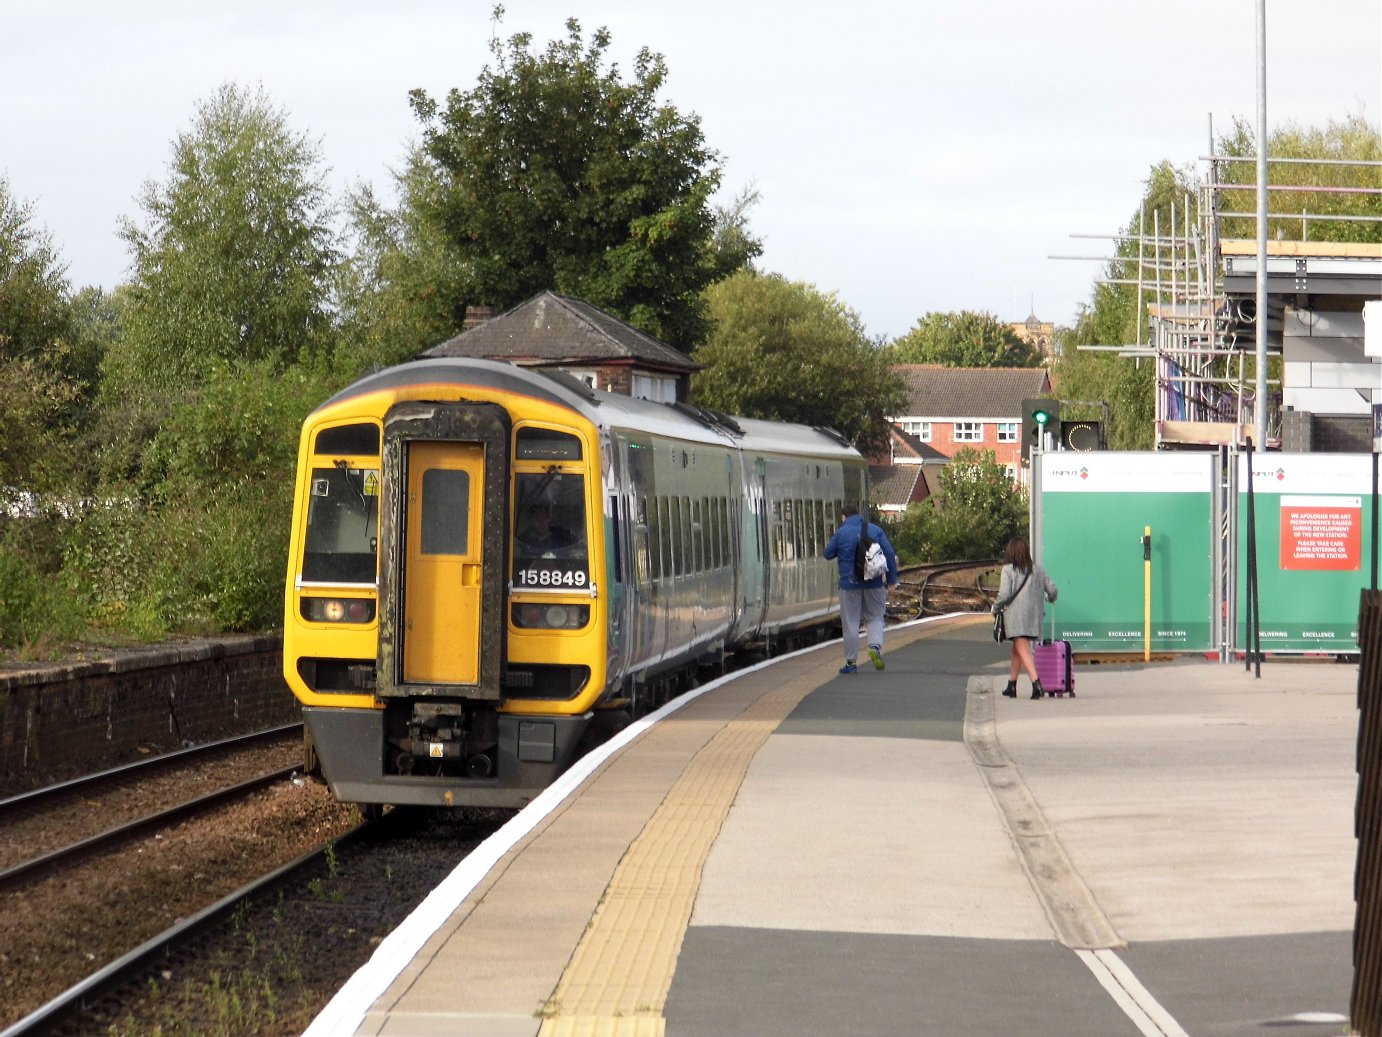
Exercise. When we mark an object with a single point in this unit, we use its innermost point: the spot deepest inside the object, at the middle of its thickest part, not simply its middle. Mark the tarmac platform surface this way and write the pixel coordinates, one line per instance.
(791, 851)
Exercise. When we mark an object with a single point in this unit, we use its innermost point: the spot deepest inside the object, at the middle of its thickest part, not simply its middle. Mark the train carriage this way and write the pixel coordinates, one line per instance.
(490, 564)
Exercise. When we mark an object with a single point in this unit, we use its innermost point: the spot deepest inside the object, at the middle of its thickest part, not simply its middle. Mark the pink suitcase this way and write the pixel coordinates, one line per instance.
(1054, 666)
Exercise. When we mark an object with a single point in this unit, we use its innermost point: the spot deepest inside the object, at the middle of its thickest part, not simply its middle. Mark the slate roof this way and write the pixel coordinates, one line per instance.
(897, 485)
(935, 391)
(908, 444)
(557, 329)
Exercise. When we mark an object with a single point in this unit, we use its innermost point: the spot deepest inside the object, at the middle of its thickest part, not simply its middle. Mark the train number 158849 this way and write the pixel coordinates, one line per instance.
(551, 578)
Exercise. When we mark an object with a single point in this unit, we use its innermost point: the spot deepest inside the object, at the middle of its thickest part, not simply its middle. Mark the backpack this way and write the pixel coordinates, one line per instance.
(869, 561)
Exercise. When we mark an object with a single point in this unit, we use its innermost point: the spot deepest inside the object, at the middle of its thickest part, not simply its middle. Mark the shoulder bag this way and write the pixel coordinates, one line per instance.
(1000, 630)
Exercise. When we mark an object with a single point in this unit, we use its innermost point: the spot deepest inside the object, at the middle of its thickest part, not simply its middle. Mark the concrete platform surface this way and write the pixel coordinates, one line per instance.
(793, 851)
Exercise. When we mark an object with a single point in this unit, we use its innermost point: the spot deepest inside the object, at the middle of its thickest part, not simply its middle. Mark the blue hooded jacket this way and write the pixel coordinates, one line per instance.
(846, 541)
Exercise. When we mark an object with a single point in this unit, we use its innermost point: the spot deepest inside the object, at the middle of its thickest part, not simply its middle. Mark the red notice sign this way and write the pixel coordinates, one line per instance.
(1321, 532)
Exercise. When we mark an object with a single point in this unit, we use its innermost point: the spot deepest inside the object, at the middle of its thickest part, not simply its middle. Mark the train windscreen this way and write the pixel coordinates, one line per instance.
(342, 526)
(549, 551)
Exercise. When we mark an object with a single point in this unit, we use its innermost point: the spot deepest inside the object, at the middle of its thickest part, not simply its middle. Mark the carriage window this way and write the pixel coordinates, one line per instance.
(677, 538)
(688, 539)
(342, 525)
(655, 538)
(549, 548)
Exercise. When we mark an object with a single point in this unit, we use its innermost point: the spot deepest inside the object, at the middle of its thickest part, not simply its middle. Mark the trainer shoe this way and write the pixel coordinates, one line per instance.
(876, 654)
(849, 668)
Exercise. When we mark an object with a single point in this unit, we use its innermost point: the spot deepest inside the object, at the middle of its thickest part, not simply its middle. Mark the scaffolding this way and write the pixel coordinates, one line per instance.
(1194, 290)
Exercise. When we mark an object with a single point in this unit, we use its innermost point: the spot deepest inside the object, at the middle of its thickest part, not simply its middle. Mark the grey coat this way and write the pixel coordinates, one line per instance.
(1026, 615)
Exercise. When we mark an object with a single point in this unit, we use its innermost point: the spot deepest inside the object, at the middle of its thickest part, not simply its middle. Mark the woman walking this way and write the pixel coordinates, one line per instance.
(1023, 592)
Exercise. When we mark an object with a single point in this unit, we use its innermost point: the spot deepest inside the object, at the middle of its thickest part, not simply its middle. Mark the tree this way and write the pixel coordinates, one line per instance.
(975, 513)
(782, 351)
(734, 247)
(1126, 384)
(554, 173)
(963, 339)
(34, 305)
(235, 260)
(1342, 149)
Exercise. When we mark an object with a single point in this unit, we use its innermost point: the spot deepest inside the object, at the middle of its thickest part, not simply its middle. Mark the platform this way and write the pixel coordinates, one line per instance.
(790, 851)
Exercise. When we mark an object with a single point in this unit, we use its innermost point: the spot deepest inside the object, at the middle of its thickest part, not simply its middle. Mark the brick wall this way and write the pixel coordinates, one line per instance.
(62, 721)
(943, 440)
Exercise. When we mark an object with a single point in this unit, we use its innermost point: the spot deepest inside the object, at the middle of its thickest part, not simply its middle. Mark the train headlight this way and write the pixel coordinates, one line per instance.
(338, 610)
(537, 616)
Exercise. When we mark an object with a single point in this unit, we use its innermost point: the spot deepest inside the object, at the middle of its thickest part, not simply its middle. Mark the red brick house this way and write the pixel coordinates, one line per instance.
(949, 408)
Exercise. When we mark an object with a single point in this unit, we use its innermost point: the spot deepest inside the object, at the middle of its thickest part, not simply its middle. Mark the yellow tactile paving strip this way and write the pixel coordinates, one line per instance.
(617, 981)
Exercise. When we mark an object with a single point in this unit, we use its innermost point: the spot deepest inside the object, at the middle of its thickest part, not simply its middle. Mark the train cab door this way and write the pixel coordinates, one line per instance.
(444, 531)
(443, 553)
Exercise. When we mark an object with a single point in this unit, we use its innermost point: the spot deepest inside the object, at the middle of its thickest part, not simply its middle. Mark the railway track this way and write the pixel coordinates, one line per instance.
(73, 820)
(267, 957)
(940, 588)
(93, 870)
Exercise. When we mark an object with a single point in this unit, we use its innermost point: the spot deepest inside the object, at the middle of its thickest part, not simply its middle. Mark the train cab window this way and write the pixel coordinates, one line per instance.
(549, 549)
(342, 538)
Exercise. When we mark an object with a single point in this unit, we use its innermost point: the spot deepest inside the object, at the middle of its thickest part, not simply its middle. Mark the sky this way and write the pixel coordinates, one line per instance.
(910, 157)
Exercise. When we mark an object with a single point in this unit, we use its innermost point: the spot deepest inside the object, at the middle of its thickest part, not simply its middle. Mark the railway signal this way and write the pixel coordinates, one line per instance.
(1038, 417)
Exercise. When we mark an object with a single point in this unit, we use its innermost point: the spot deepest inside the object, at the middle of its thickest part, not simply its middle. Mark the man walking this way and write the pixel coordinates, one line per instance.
(861, 601)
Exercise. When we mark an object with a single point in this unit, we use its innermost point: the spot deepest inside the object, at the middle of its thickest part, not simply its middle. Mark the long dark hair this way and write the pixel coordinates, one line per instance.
(1018, 554)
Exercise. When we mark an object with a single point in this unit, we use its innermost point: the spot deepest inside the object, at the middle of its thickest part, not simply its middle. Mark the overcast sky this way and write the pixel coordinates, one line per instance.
(911, 156)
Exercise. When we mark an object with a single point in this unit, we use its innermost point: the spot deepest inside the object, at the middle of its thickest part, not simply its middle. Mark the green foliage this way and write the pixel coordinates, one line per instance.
(963, 339)
(975, 513)
(734, 246)
(782, 351)
(242, 422)
(37, 611)
(1324, 186)
(210, 561)
(236, 258)
(34, 308)
(554, 173)
(35, 410)
(404, 288)
(1126, 384)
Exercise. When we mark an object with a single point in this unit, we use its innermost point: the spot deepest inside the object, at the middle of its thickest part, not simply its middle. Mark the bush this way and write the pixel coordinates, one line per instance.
(38, 609)
(198, 565)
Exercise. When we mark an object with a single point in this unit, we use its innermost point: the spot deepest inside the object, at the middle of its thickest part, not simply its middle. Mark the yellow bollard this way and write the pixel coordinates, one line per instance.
(1146, 594)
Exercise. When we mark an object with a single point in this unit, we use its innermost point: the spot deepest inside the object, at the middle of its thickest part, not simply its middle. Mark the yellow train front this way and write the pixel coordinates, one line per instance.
(489, 564)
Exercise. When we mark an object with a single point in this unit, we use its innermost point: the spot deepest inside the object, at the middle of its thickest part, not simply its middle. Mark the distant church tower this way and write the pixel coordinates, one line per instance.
(1037, 332)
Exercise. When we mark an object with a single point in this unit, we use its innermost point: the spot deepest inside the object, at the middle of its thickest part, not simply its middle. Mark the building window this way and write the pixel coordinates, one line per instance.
(1007, 432)
(920, 429)
(655, 388)
(969, 432)
(586, 375)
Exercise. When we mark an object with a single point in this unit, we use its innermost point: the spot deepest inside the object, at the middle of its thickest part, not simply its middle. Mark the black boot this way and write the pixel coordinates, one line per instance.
(1011, 690)
(1036, 689)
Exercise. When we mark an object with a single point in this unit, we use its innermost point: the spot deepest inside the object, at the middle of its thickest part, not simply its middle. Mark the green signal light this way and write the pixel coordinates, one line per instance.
(1041, 417)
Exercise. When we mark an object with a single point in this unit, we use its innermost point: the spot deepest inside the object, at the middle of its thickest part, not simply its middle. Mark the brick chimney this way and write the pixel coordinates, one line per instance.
(475, 316)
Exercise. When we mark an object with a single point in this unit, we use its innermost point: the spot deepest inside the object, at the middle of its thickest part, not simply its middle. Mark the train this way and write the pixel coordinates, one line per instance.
(493, 566)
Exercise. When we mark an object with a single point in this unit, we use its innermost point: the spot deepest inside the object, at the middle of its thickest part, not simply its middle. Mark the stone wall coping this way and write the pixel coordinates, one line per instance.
(104, 660)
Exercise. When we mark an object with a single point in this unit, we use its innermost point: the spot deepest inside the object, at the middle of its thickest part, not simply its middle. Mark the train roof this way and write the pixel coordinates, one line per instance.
(605, 409)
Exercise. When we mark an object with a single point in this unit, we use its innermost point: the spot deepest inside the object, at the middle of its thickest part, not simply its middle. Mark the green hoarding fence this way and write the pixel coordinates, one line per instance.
(1314, 542)
(1090, 512)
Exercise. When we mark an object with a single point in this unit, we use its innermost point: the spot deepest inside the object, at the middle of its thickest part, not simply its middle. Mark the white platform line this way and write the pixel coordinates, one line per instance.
(1147, 1014)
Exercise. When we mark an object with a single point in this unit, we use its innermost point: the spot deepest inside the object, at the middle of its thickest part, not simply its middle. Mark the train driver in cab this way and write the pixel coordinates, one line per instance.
(540, 534)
